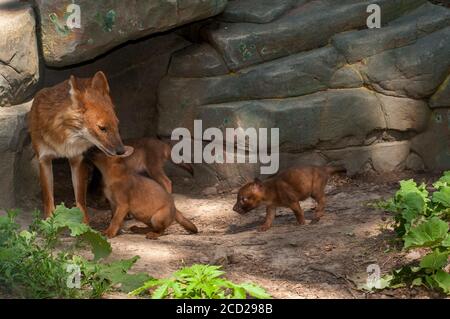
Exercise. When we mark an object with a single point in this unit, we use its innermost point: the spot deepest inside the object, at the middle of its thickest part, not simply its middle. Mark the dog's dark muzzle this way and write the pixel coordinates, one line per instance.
(238, 209)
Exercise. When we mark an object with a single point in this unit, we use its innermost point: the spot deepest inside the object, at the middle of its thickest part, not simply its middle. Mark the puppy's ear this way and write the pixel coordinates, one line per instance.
(258, 182)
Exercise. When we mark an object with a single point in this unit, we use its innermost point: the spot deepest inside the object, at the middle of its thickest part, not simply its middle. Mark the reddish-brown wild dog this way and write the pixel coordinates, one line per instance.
(67, 119)
(286, 189)
(145, 199)
(149, 157)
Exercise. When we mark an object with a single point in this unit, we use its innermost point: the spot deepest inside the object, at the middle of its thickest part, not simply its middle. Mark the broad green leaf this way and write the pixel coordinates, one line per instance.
(176, 289)
(100, 247)
(415, 202)
(115, 270)
(9, 254)
(446, 241)
(442, 196)
(410, 186)
(443, 280)
(443, 181)
(382, 283)
(417, 282)
(239, 293)
(72, 218)
(161, 291)
(145, 287)
(255, 291)
(130, 282)
(426, 234)
(435, 260)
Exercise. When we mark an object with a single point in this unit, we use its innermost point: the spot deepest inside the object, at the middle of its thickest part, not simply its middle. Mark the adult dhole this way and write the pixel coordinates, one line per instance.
(66, 120)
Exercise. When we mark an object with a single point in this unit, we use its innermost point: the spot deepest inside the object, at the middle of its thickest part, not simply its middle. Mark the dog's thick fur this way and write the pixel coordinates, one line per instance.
(148, 159)
(67, 119)
(129, 192)
(286, 189)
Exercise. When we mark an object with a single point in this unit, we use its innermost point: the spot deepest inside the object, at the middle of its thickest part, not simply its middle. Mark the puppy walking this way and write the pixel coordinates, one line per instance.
(128, 192)
(286, 190)
(67, 119)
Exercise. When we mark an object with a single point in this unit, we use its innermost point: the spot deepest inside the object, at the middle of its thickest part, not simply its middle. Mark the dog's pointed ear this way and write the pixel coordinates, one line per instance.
(258, 182)
(74, 91)
(100, 83)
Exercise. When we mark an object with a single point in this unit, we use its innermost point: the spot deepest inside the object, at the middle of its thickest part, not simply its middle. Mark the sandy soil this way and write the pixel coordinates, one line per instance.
(324, 260)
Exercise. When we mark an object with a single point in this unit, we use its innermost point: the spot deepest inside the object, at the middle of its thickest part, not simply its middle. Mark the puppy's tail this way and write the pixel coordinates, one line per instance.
(186, 223)
(335, 169)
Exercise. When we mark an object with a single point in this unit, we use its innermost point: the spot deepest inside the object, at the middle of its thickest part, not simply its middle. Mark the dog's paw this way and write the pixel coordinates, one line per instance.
(263, 228)
(152, 235)
(108, 233)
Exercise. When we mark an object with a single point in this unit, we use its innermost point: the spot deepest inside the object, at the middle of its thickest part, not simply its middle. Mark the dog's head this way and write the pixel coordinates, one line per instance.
(99, 125)
(249, 197)
(102, 160)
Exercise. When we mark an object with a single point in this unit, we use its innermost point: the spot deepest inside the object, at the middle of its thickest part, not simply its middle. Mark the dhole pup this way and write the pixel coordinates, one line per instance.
(286, 189)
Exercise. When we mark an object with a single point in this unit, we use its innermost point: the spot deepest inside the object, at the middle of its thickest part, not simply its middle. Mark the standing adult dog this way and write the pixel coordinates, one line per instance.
(67, 119)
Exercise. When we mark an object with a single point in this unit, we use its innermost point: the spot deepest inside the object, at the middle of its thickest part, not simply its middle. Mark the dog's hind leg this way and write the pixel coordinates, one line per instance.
(141, 230)
(159, 222)
(319, 211)
(297, 209)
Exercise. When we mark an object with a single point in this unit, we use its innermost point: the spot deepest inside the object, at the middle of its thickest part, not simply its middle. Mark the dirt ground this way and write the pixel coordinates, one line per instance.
(324, 260)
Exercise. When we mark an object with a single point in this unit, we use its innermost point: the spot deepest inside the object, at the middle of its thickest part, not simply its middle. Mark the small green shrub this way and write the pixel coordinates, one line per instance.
(199, 282)
(421, 221)
(34, 263)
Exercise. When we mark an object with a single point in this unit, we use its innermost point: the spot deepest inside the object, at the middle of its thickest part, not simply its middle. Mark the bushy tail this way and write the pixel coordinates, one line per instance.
(187, 224)
(335, 169)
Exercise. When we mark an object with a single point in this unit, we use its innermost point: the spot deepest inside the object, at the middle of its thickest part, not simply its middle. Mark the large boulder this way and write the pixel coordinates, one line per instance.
(108, 23)
(197, 60)
(434, 144)
(261, 11)
(18, 175)
(357, 45)
(296, 75)
(310, 25)
(380, 157)
(19, 59)
(414, 71)
(321, 120)
(442, 96)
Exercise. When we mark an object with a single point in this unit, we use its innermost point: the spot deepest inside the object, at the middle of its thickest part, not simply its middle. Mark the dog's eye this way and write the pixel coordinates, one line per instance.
(244, 199)
(102, 128)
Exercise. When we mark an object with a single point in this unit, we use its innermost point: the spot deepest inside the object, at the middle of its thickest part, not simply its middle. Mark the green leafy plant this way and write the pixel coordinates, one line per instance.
(34, 263)
(421, 221)
(199, 282)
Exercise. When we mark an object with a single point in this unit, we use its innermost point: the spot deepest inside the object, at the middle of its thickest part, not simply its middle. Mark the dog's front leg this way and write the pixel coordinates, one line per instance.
(117, 220)
(270, 215)
(46, 178)
(79, 172)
